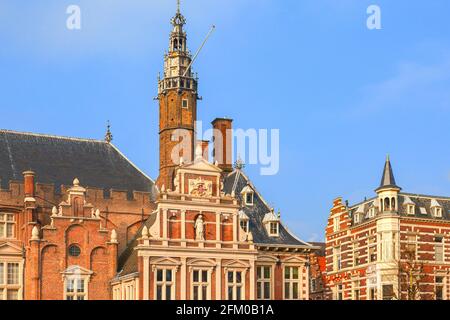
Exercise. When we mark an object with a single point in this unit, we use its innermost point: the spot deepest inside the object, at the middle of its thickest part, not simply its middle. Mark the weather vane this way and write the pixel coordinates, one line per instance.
(108, 136)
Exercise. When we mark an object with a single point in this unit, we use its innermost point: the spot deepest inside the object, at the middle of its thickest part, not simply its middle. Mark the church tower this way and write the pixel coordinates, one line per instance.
(177, 95)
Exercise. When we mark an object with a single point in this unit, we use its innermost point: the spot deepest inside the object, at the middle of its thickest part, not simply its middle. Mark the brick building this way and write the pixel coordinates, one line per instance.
(392, 246)
(317, 273)
(79, 221)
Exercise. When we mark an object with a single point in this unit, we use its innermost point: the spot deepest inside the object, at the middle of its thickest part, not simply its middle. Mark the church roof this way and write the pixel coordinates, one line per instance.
(58, 160)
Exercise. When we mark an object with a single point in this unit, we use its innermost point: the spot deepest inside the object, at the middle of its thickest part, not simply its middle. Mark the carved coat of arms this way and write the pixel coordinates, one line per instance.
(200, 187)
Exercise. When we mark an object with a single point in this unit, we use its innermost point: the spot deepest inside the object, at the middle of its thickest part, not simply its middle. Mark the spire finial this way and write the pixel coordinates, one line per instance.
(387, 158)
(178, 20)
(239, 164)
(108, 135)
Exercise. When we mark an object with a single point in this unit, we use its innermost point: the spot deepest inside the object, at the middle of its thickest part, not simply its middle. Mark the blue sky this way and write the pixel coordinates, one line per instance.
(342, 96)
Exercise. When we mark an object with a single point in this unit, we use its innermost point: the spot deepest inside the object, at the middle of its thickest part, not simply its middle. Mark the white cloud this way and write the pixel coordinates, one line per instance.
(414, 85)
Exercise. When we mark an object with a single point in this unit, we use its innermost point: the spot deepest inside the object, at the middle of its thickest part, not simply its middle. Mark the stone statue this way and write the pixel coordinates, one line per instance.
(199, 228)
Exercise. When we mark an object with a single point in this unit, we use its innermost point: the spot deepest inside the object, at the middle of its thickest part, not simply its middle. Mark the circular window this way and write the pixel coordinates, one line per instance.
(74, 251)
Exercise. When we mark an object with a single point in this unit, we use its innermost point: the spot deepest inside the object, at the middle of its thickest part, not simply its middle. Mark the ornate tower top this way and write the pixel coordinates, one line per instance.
(178, 19)
(177, 70)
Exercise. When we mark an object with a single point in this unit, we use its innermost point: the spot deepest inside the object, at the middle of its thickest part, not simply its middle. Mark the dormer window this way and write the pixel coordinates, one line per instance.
(437, 212)
(249, 198)
(244, 225)
(410, 205)
(436, 208)
(371, 212)
(272, 224)
(358, 214)
(243, 221)
(248, 195)
(274, 229)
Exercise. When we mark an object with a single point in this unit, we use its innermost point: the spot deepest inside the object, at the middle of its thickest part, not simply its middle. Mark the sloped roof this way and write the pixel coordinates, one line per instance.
(235, 182)
(58, 160)
(422, 207)
(128, 260)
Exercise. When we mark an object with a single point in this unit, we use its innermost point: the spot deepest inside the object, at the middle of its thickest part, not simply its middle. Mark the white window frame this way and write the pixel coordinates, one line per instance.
(251, 202)
(201, 283)
(411, 240)
(164, 283)
(260, 281)
(339, 290)
(336, 224)
(244, 225)
(234, 284)
(357, 218)
(437, 212)
(184, 100)
(130, 290)
(4, 222)
(75, 294)
(4, 286)
(337, 259)
(291, 281)
(356, 287)
(277, 228)
(410, 209)
(117, 292)
(442, 285)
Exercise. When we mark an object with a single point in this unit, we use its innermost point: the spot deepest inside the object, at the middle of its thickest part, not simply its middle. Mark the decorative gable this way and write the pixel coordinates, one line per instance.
(10, 249)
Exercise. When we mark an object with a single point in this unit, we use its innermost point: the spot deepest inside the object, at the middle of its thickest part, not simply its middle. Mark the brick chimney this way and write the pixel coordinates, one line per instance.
(205, 149)
(223, 138)
(29, 183)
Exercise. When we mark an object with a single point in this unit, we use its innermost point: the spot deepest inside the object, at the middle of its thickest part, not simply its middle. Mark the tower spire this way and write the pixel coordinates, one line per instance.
(388, 179)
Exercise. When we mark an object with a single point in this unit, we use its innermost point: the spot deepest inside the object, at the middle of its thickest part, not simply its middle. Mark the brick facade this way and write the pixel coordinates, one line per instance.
(385, 247)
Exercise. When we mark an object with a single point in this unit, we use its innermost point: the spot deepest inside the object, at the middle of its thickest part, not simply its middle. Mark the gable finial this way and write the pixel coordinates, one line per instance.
(108, 136)
(239, 164)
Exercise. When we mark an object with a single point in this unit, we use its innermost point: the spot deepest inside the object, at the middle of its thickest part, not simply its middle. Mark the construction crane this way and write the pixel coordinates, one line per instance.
(213, 27)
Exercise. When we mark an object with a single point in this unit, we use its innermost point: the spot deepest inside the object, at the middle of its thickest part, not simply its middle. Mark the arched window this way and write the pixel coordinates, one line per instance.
(393, 204)
(175, 44)
(387, 205)
(181, 44)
